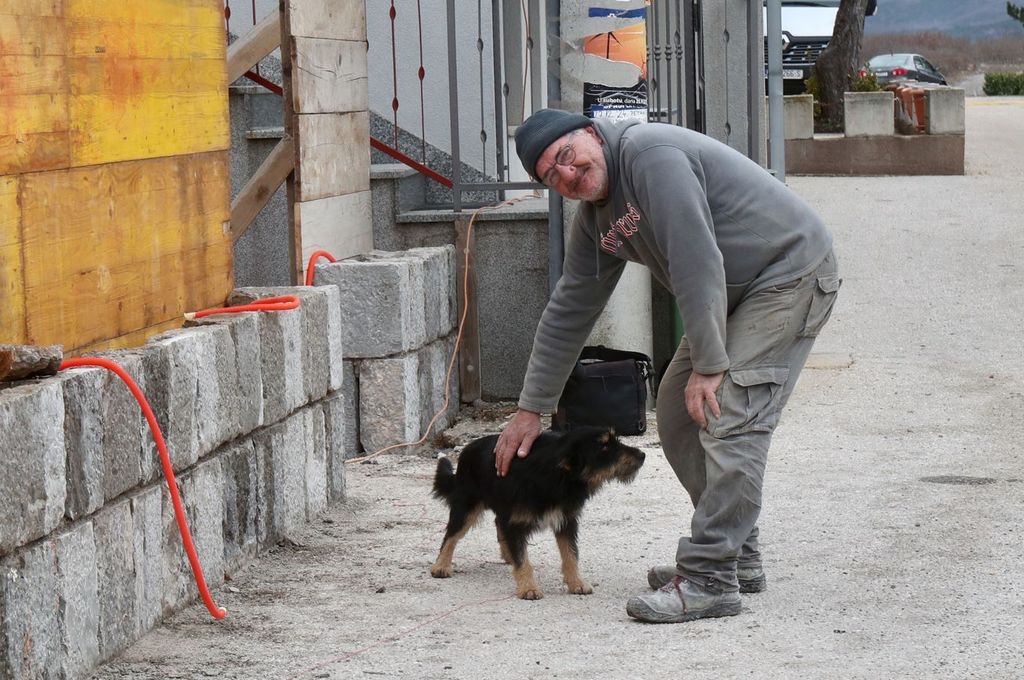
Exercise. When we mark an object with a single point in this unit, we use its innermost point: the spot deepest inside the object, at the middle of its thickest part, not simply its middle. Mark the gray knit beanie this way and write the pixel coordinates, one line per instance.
(540, 130)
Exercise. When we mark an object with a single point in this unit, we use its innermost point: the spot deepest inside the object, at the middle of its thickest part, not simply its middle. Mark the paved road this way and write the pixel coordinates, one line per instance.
(893, 513)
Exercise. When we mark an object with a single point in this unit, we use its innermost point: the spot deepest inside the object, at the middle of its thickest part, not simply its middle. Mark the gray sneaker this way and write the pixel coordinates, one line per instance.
(681, 600)
(752, 579)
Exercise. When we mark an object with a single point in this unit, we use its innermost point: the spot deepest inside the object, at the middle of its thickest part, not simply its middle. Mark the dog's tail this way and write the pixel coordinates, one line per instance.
(444, 478)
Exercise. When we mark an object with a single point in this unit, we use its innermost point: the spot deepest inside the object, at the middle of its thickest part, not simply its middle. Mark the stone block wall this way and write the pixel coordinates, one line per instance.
(398, 326)
(259, 413)
(253, 411)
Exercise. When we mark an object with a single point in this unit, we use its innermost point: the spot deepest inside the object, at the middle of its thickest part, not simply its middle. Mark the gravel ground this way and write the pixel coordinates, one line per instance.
(892, 513)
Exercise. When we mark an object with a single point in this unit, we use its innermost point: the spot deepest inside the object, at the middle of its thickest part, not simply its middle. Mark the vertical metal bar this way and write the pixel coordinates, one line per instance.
(669, 59)
(500, 135)
(556, 226)
(659, 66)
(513, 61)
(393, 13)
(700, 113)
(537, 66)
(678, 63)
(421, 73)
(453, 108)
(755, 48)
(553, 35)
(480, 69)
(648, 29)
(776, 123)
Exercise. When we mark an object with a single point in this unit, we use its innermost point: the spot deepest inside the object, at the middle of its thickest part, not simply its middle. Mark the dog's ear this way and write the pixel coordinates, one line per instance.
(580, 445)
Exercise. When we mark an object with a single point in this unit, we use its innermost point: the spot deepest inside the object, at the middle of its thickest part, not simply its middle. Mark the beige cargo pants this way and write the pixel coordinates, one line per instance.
(768, 338)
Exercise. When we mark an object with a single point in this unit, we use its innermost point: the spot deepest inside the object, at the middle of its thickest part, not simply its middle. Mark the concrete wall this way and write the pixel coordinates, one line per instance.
(398, 326)
(261, 255)
(512, 277)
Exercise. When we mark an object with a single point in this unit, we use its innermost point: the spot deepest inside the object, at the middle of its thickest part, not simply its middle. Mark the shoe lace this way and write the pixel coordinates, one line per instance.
(673, 585)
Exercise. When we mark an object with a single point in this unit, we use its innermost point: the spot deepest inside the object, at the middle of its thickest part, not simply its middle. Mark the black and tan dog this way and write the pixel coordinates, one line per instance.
(547, 488)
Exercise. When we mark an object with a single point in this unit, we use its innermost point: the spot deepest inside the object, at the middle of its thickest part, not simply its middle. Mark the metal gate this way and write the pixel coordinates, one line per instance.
(676, 72)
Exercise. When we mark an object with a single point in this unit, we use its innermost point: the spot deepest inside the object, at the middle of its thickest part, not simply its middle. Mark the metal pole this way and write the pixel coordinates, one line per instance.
(500, 132)
(536, 64)
(453, 108)
(754, 75)
(690, 67)
(679, 64)
(776, 122)
(556, 226)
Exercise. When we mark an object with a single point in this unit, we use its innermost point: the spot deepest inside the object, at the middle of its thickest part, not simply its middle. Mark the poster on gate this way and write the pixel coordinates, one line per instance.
(619, 103)
(625, 51)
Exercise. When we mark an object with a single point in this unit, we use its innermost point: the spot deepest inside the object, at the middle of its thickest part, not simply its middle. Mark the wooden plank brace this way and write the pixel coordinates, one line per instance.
(264, 38)
(261, 186)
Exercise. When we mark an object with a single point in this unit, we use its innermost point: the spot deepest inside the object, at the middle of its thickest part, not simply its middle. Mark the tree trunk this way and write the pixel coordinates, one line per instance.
(839, 62)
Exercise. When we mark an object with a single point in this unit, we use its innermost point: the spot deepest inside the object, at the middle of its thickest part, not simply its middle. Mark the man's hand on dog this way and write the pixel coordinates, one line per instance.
(516, 439)
(701, 388)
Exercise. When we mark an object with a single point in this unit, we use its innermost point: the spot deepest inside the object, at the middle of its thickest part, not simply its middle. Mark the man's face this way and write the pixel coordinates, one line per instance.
(574, 166)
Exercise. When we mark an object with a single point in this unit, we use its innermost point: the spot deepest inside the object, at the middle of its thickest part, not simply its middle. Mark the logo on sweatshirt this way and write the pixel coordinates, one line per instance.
(624, 226)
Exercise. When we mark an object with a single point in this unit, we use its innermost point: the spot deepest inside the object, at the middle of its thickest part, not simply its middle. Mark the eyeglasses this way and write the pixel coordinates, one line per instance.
(566, 155)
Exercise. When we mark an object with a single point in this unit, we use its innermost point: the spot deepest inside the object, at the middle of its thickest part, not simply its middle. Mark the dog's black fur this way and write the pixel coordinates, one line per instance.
(547, 488)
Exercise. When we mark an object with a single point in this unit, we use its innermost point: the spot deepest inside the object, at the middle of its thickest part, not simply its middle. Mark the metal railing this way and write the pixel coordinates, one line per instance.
(495, 63)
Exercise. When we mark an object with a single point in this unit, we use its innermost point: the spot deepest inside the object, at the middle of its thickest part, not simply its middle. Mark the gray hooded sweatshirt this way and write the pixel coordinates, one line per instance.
(710, 224)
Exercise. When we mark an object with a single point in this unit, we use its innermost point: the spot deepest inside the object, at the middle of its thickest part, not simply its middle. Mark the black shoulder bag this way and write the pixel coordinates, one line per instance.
(607, 388)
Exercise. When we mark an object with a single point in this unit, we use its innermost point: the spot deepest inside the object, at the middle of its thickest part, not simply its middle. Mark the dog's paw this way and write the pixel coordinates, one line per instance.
(530, 594)
(580, 587)
(438, 571)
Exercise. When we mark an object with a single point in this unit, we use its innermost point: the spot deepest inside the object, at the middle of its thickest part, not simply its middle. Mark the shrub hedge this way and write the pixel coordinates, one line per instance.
(1004, 84)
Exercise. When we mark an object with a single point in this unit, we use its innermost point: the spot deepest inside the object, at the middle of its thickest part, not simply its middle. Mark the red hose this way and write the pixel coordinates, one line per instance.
(312, 260)
(280, 303)
(165, 459)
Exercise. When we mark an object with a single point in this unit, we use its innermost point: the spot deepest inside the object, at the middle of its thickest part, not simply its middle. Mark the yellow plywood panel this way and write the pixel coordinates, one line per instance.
(33, 151)
(12, 298)
(29, 34)
(124, 247)
(30, 75)
(34, 115)
(122, 78)
(170, 12)
(92, 37)
(51, 8)
(104, 130)
(33, 82)
(146, 79)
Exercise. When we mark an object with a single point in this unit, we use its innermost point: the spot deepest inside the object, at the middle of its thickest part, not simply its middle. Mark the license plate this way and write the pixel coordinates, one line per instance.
(792, 74)
(881, 74)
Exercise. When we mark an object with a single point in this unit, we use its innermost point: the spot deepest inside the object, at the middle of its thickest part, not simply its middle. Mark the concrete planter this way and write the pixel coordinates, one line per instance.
(798, 112)
(869, 114)
(945, 108)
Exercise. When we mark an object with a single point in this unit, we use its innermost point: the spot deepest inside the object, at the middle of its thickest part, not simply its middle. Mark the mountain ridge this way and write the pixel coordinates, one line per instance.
(973, 19)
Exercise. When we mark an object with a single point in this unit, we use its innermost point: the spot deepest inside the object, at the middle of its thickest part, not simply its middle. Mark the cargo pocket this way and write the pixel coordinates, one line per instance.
(824, 298)
(750, 400)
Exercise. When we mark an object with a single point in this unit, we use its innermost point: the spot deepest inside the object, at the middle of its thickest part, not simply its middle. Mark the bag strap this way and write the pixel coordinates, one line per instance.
(602, 353)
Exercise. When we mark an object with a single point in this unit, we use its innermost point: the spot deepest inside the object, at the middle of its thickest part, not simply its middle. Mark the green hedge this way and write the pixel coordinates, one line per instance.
(1004, 84)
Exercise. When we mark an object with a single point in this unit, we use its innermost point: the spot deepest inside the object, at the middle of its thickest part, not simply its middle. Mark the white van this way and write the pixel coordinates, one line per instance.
(806, 30)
